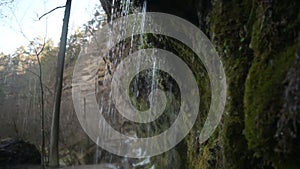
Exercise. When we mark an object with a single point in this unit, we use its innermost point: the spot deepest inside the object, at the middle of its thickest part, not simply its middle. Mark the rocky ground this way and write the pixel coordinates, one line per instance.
(100, 166)
(17, 152)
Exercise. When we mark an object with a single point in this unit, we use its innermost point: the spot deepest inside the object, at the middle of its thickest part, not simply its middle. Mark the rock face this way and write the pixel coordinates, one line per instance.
(15, 152)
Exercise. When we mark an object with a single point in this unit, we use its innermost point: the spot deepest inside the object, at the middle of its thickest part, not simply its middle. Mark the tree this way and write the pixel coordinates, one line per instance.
(38, 50)
(53, 156)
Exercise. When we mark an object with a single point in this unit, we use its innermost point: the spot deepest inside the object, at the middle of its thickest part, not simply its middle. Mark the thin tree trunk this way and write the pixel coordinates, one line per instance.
(42, 107)
(54, 136)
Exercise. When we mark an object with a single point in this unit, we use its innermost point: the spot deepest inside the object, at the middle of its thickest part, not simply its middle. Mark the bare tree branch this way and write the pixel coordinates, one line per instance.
(6, 2)
(51, 11)
(19, 24)
(38, 76)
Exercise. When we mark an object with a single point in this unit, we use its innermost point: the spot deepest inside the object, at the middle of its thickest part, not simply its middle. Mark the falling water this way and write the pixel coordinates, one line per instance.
(141, 45)
(106, 105)
(97, 152)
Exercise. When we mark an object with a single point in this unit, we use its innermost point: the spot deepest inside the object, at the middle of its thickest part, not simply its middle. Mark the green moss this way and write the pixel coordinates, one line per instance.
(189, 149)
(274, 44)
(264, 89)
(195, 154)
(230, 28)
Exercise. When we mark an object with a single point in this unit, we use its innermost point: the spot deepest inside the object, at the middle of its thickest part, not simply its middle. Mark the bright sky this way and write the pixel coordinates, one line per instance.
(24, 17)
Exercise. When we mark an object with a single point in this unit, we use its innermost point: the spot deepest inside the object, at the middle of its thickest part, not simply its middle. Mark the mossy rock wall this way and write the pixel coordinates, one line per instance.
(257, 41)
(274, 43)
